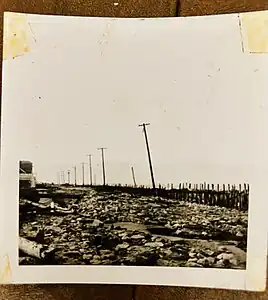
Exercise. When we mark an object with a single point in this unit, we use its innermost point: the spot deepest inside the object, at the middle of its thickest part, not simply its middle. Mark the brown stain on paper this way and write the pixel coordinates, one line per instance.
(17, 35)
(254, 28)
(5, 270)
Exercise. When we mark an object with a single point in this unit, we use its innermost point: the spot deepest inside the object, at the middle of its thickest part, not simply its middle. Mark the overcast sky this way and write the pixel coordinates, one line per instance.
(89, 83)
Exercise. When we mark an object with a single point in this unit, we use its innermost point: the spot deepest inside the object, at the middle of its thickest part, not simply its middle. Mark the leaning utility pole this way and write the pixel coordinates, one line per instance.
(90, 169)
(83, 173)
(68, 176)
(103, 167)
(148, 150)
(133, 176)
(75, 182)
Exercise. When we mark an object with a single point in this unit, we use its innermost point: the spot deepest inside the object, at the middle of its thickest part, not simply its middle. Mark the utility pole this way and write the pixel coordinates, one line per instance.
(63, 177)
(68, 176)
(83, 173)
(75, 182)
(90, 169)
(103, 166)
(148, 150)
(133, 176)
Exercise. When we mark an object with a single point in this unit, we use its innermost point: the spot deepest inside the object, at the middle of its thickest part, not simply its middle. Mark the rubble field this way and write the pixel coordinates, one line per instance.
(125, 229)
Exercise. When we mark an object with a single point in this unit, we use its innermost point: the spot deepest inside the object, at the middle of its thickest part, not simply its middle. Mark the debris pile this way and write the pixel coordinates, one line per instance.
(182, 219)
(122, 229)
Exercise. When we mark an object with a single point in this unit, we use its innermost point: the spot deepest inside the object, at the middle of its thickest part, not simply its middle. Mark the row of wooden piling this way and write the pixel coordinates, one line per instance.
(225, 195)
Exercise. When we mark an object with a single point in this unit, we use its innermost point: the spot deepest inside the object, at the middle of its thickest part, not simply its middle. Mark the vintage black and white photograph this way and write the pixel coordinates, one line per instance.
(137, 142)
(90, 223)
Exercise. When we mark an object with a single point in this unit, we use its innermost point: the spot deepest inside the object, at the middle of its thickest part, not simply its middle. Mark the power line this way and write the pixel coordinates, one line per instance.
(103, 166)
(148, 151)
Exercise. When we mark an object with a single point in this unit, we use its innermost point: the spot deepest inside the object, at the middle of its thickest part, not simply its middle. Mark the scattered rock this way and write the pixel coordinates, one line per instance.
(122, 246)
(124, 236)
(95, 262)
(203, 261)
(193, 264)
(154, 244)
(137, 237)
(91, 238)
(87, 257)
(97, 223)
(26, 260)
(225, 256)
(105, 252)
(96, 257)
(192, 259)
(199, 255)
(239, 234)
(192, 254)
(206, 262)
(233, 261)
(162, 263)
(220, 263)
(211, 260)
(208, 252)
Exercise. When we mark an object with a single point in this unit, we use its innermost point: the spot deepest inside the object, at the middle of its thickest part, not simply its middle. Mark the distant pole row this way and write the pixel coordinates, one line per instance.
(61, 176)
